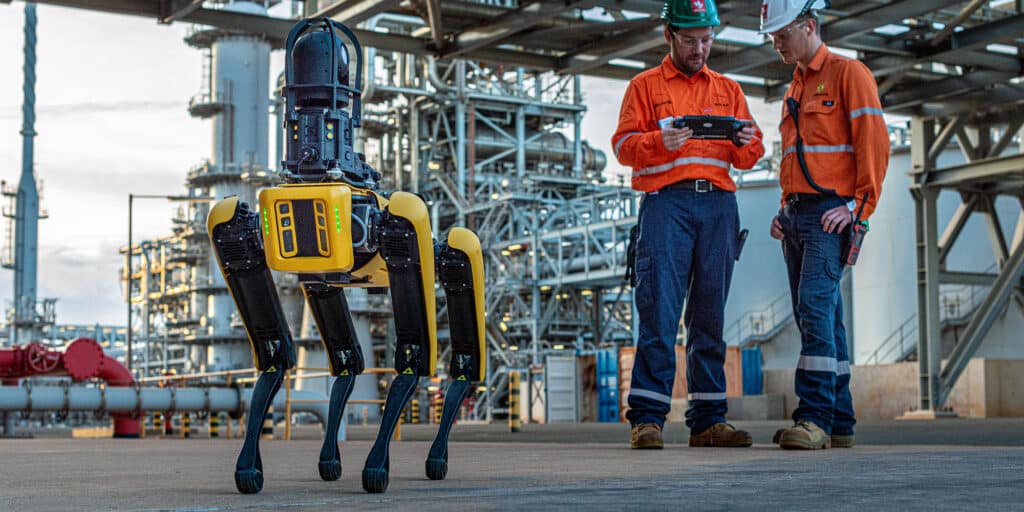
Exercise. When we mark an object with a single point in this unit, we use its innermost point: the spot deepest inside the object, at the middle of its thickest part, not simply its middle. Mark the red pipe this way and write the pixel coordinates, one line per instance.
(83, 359)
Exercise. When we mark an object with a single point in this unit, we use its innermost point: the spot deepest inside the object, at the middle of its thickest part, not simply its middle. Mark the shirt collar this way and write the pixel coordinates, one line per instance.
(669, 70)
(816, 63)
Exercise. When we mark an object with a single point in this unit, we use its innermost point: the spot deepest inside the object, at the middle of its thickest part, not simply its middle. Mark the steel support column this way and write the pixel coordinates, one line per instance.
(929, 342)
(980, 181)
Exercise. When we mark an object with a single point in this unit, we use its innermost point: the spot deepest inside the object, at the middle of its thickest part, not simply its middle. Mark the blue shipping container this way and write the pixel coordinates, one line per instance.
(753, 378)
(608, 386)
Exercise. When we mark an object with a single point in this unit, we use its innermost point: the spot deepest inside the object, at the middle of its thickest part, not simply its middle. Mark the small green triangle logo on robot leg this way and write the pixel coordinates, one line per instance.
(461, 377)
(408, 371)
(344, 372)
(272, 369)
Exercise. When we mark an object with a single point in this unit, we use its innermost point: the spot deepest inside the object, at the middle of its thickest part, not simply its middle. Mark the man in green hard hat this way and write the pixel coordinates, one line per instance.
(688, 228)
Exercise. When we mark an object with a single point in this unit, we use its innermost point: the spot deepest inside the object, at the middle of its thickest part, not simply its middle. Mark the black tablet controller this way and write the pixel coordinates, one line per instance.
(713, 127)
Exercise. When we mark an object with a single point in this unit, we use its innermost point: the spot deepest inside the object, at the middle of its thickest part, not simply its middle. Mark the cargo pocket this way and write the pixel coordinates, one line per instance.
(643, 293)
(834, 264)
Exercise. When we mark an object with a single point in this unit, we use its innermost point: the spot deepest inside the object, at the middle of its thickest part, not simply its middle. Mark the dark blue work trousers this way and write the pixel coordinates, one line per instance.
(686, 248)
(815, 266)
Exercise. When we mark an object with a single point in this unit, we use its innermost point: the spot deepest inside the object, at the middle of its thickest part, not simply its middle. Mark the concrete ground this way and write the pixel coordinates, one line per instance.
(909, 465)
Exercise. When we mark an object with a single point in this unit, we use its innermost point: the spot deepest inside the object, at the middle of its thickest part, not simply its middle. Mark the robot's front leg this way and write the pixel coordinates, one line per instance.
(249, 466)
(406, 245)
(462, 276)
(234, 231)
(345, 358)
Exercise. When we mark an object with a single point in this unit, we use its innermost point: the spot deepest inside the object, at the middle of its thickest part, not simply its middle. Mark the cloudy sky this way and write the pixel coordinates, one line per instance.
(111, 97)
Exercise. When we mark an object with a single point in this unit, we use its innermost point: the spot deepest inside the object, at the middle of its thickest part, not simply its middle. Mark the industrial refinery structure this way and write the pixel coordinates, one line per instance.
(477, 106)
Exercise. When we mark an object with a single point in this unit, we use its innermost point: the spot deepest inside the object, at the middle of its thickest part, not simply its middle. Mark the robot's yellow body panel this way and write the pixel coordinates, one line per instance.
(307, 228)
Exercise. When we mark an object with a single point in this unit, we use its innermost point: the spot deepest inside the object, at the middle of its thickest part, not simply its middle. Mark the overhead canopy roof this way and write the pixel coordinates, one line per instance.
(931, 57)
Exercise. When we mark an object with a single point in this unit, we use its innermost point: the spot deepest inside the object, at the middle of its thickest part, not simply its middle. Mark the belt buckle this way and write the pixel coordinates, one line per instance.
(703, 186)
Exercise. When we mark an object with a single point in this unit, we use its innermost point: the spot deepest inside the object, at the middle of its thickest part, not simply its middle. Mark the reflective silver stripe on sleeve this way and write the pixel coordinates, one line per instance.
(865, 111)
(705, 396)
(682, 161)
(842, 148)
(843, 368)
(618, 145)
(817, 364)
(651, 394)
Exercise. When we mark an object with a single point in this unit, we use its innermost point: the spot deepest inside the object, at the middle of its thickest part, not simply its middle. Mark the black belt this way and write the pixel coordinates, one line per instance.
(695, 185)
(797, 197)
(812, 203)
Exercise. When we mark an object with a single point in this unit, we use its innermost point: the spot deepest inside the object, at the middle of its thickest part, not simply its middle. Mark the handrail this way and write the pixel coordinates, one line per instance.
(953, 310)
(760, 322)
(289, 375)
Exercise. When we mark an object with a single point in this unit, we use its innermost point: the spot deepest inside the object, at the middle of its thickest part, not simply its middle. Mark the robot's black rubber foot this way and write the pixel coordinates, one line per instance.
(330, 470)
(249, 481)
(437, 469)
(375, 480)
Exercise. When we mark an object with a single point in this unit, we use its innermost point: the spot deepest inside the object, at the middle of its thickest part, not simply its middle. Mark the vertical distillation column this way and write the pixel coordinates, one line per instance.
(26, 223)
(238, 103)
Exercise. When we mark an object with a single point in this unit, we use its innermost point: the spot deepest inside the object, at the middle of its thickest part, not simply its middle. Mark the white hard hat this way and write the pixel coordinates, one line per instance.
(776, 14)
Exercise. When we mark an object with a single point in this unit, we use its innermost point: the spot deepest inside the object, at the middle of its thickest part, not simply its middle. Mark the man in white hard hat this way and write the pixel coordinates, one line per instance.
(835, 154)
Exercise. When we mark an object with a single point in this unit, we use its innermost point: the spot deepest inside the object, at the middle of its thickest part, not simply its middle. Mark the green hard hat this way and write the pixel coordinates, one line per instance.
(690, 13)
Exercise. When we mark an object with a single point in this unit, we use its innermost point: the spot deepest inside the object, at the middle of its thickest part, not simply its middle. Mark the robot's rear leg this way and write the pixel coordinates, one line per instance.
(345, 358)
(378, 463)
(407, 248)
(437, 459)
(234, 231)
(461, 271)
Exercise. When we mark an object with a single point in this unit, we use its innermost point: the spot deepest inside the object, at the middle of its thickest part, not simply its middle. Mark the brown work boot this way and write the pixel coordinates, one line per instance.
(722, 435)
(805, 435)
(836, 440)
(646, 436)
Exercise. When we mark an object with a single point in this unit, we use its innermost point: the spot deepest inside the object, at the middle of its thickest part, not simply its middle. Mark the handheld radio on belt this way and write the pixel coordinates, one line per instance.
(858, 230)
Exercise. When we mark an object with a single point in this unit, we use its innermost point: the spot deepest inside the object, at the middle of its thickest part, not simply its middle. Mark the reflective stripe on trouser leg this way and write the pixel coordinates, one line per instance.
(843, 415)
(664, 252)
(814, 267)
(711, 274)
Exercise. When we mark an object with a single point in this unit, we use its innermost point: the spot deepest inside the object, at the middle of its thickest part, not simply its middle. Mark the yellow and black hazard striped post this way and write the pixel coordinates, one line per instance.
(215, 425)
(438, 407)
(157, 422)
(415, 407)
(514, 424)
(186, 425)
(268, 425)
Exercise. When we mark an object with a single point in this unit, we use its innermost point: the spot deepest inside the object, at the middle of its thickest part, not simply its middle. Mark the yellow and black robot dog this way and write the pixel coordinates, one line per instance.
(329, 225)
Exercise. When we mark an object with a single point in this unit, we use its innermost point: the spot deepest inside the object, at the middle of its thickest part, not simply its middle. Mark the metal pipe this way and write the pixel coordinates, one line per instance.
(279, 106)
(577, 140)
(460, 130)
(433, 77)
(136, 400)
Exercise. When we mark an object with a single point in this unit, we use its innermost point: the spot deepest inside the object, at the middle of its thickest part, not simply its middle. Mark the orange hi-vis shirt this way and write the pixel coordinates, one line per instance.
(846, 142)
(658, 95)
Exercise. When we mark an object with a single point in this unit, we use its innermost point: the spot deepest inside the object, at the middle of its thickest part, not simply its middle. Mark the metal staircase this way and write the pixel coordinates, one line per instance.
(759, 326)
(958, 305)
